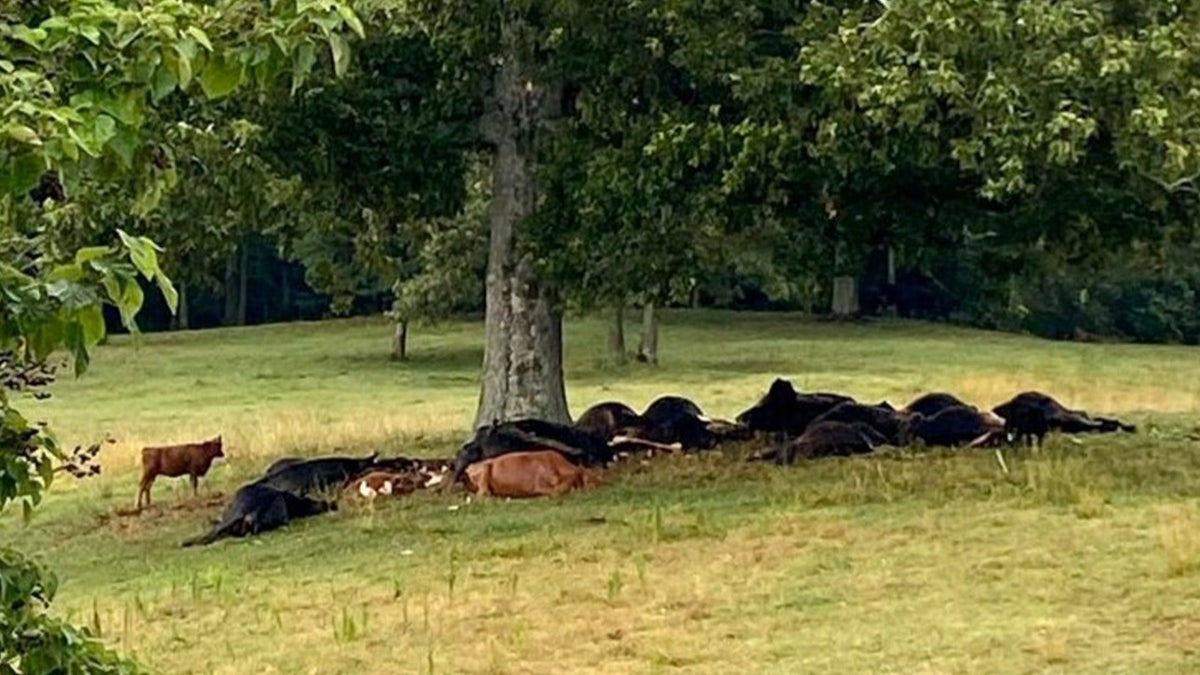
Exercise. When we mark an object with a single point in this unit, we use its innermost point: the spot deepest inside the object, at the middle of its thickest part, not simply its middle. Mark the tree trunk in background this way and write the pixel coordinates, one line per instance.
(243, 282)
(648, 346)
(891, 280)
(616, 335)
(845, 296)
(522, 362)
(400, 341)
(285, 285)
(184, 322)
(231, 293)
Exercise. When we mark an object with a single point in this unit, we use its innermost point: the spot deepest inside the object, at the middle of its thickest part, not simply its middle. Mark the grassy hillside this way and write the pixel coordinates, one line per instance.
(1084, 557)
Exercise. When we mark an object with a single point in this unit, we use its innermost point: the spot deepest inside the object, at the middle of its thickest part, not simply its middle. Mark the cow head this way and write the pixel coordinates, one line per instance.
(214, 447)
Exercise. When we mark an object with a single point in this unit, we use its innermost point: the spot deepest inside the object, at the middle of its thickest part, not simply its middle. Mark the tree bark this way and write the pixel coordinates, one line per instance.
(845, 296)
(231, 291)
(182, 318)
(648, 346)
(522, 363)
(243, 282)
(400, 341)
(616, 335)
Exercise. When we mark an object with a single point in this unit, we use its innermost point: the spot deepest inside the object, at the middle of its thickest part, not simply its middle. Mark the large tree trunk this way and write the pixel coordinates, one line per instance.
(522, 363)
(648, 346)
(400, 341)
(616, 335)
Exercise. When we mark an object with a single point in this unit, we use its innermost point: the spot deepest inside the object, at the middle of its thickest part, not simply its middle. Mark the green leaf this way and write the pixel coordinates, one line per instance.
(21, 174)
(201, 37)
(351, 20)
(125, 145)
(341, 54)
(164, 83)
(91, 253)
(306, 56)
(103, 131)
(92, 320)
(72, 295)
(81, 142)
(76, 343)
(143, 252)
(181, 62)
(168, 290)
(23, 134)
(220, 78)
(130, 303)
(34, 37)
(125, 106)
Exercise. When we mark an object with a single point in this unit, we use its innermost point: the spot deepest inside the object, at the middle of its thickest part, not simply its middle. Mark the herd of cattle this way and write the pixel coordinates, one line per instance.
(531, 457)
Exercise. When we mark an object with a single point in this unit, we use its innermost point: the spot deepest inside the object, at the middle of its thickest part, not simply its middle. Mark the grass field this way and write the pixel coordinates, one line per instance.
(1083, 557)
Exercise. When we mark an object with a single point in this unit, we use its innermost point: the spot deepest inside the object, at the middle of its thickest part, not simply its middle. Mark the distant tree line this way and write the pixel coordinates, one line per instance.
(1017, 166)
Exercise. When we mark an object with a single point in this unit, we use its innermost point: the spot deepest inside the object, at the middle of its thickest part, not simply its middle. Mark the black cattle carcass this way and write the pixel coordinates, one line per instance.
(885, 420)
(257, 508)
(826, 439)
(784, 411)
(500, 438)
(1030, 415)
(305, 477)
(952, 427)
(934, 403)
(607, 419)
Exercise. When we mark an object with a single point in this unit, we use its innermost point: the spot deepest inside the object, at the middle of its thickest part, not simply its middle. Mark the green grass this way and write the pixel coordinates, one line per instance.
(1083, 557)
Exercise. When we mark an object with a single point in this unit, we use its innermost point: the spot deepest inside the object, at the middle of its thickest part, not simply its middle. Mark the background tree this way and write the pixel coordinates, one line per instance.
(384, 153)
(75, 80)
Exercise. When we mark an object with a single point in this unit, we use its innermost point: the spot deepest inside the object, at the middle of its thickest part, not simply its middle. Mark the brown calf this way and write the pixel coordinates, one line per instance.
(536, 473)
(190, 459)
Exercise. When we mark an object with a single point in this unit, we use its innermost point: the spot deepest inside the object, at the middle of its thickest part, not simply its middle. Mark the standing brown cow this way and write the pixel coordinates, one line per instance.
(190, 459)
(535, 473)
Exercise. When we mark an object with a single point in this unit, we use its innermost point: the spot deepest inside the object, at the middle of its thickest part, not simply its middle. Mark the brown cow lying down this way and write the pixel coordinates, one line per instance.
(536, 473)
(190, 459)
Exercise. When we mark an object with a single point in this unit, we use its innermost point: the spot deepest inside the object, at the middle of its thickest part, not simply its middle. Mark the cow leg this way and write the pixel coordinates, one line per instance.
(195, 485)
(484, 488)
(144, 490)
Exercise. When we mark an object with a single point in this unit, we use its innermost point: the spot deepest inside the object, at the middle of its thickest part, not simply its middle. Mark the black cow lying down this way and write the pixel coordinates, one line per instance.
(783, 410)
(305, 477)
(934, 403)
(501, 438)
(1030, 415)
(607, 419)
(953, 427)
(674, 419)
(826, 439)
(256, 509)
(882, 418)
